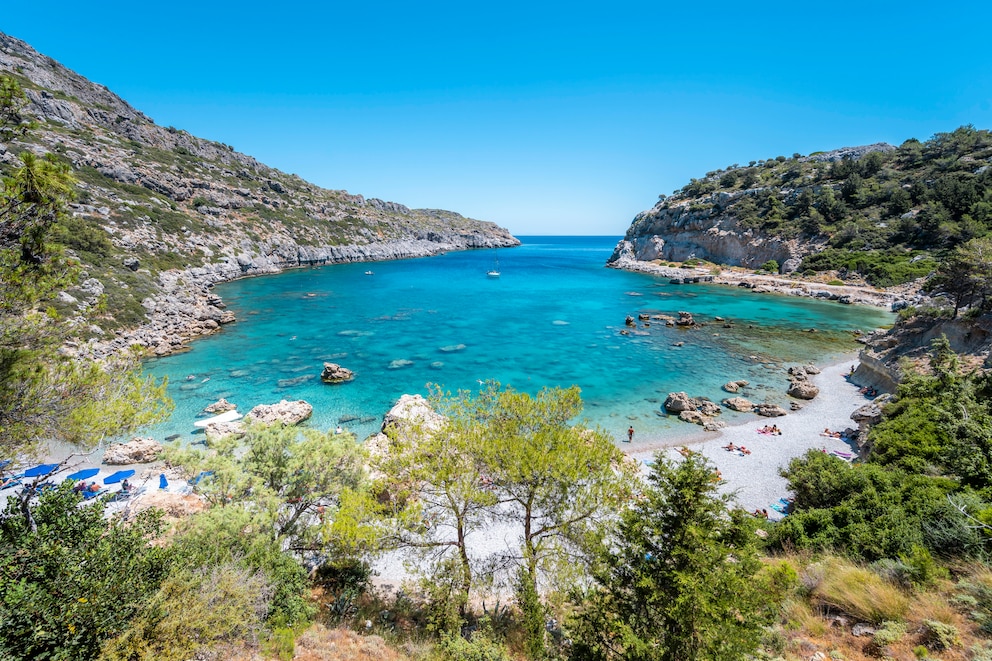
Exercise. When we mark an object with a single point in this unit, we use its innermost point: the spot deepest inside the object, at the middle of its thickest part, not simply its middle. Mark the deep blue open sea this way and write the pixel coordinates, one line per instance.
(553, 318)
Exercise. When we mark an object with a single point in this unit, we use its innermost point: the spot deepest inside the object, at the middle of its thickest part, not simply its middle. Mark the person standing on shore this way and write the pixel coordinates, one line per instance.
(630, 434)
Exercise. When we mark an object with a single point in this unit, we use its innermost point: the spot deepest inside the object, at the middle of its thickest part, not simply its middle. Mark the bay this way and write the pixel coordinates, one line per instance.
(554, 317)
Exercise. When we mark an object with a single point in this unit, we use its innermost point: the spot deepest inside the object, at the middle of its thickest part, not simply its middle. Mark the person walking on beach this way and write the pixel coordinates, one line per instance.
(630, 434)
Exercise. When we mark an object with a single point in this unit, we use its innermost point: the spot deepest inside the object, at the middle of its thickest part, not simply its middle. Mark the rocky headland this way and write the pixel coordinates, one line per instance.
(161, 216)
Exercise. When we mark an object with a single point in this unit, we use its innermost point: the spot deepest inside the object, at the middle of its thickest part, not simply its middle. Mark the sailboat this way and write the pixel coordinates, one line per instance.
(494, 271)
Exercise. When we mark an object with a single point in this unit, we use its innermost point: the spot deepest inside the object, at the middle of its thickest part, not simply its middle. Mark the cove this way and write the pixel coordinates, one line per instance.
(553, 318)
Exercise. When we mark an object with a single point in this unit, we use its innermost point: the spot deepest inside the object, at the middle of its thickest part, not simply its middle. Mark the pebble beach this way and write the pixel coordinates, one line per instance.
(755, 478)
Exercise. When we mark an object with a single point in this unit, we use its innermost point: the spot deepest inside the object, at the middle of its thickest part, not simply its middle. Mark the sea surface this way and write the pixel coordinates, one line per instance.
(552, 318)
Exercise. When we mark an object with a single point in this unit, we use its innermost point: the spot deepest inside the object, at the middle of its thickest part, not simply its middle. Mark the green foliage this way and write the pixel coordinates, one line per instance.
(889, 633)
(879, 268)
(481, 647)
(74, 580)
(678, 582)
(195, 610)
(501, 455)
(925, 489)
(771, 266)
(43, 393)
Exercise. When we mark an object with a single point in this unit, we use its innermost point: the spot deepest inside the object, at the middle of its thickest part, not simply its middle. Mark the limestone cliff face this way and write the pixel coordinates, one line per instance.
(166, 214)
(677, 230)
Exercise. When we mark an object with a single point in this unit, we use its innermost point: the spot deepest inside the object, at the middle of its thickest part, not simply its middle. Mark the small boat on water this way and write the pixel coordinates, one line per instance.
(370, 273)
(494, 271)
(227, 416)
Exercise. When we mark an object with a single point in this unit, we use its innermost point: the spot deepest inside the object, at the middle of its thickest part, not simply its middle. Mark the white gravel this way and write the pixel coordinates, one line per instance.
(755, 478)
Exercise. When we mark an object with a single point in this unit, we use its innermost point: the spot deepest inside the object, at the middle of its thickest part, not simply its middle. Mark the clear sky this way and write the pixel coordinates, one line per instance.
(545, 117)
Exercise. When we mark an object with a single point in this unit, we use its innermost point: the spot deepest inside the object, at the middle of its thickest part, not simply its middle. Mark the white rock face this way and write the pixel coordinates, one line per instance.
(285, 412)
(135, 451)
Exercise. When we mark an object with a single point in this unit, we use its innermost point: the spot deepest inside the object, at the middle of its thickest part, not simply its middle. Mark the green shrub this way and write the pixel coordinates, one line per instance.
(940, 636)
(771, 266)
(889, 633)
(836, 283)
(480, 648)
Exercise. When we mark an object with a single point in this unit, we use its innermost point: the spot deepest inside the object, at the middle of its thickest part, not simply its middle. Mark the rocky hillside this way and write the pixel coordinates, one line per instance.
(878, 215)
(162, 215)
(887, 214)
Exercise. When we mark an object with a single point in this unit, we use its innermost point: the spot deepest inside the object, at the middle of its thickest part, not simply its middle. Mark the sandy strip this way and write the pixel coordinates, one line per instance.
(755, 477)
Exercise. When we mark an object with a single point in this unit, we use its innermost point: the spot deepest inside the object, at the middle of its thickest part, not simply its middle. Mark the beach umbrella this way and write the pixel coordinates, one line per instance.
(162, 482)
(118, 476)
(84, 474)
(42, 469)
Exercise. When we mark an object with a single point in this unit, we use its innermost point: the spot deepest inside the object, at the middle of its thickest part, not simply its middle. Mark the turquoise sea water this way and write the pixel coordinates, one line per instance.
(553, 318)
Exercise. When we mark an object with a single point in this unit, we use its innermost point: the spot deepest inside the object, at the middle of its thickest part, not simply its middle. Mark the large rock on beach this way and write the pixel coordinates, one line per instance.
(802, 390)
(734, 386)
(135, 451)
(174, 505)
(676, 402)
(695, 417)
(738, 404)
(285, 412)
(871, 413)
(220, 406)
(334, 373)
(769, 410)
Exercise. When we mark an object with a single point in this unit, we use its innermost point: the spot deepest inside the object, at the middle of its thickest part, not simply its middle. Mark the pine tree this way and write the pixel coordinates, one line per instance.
(678, 581)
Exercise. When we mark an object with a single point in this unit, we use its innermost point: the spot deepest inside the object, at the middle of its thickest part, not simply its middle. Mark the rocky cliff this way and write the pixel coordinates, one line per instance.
(162, 215)
(706, 222)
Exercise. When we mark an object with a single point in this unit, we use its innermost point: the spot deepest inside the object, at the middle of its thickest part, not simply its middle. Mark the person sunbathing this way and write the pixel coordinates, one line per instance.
(744, 451)
(775, 430)
(730, 447)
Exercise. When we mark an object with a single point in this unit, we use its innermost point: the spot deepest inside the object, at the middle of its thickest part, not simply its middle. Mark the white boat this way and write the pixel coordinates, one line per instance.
(369, 273)
(227, 416)
(494, 271)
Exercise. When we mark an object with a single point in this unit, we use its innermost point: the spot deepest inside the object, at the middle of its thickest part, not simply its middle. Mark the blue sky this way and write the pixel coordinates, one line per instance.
(545, 117)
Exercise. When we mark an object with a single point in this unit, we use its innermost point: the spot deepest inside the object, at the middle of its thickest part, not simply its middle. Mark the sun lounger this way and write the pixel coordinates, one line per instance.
(89, 495)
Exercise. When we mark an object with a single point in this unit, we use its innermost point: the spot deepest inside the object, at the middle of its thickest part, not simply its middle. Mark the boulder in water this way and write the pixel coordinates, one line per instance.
(334, 373)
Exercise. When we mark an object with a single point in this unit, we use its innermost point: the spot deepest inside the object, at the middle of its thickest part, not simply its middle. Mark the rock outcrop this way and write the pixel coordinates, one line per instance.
(334, 373)
(220, 406)
(135, 451)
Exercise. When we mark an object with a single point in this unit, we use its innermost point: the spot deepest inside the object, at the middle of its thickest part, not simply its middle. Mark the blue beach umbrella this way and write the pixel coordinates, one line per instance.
(162, 482)
(41, 469)
(84, 474)
(118, 476)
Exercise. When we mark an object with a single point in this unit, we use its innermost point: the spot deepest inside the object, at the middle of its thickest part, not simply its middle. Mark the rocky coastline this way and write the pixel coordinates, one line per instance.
(893, 298)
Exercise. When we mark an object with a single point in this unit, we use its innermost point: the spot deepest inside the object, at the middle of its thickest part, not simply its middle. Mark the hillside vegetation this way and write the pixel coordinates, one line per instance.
(889, 214)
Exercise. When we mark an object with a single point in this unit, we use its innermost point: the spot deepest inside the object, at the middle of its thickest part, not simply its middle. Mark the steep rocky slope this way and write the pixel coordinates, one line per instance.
(162, 215)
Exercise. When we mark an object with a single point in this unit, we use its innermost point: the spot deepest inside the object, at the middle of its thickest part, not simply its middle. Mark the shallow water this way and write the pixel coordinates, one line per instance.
(553, 317)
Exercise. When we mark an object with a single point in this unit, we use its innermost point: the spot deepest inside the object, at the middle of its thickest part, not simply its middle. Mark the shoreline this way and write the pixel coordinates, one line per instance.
(732, 276)
(754, 478)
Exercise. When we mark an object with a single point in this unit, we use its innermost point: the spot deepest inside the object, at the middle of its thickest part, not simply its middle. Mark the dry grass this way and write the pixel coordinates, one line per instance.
(319, 643)
(859, 592)
(838, 594)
